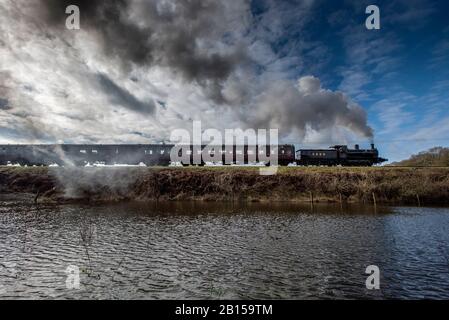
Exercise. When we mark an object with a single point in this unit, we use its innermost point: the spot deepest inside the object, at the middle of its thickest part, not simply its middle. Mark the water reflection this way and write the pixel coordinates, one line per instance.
(171, 208)
(196, 250)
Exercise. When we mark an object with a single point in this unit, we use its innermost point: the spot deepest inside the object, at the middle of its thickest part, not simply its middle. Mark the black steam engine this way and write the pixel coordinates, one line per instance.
(159, 155)
(339, 155)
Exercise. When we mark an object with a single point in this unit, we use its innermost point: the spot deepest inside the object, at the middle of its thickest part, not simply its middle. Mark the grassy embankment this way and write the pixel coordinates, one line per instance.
(387, 185)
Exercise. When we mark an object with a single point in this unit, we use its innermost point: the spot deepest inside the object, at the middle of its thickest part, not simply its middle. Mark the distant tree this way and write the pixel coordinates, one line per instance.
(434, 157)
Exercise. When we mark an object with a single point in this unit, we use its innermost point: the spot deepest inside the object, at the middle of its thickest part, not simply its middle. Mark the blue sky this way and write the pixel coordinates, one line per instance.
(399, 74)
(307, 67)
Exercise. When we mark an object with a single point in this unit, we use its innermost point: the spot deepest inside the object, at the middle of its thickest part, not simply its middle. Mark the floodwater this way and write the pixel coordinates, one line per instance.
(221, 251)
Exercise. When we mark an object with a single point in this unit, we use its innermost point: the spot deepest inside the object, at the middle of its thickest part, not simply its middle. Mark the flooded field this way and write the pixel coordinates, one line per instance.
(197, 250)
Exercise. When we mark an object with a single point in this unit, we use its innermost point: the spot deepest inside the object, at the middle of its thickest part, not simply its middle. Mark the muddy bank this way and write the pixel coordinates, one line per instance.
(387, 185)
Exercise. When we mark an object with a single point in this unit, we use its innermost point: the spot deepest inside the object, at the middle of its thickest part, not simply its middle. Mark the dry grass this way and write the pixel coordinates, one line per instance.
(390, 185)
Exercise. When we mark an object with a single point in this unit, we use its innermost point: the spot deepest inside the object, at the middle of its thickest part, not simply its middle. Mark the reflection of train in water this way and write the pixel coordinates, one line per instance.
(159, 154)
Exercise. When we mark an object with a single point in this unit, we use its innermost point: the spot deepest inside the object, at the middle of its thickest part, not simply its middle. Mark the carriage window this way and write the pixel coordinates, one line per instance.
(162, 151)
(82, 151)
(94, 151)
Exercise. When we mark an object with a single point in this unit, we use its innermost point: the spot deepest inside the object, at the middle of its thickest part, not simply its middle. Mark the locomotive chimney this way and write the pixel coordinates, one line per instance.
(357, 147)
(372, 146)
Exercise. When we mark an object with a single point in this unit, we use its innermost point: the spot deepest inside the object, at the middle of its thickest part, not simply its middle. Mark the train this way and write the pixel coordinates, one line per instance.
(340, 155)
(159, 155)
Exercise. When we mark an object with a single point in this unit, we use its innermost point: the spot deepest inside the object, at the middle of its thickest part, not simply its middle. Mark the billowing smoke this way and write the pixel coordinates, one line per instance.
(307, 105)
(88, 183)
(177, 34)
(139, 68)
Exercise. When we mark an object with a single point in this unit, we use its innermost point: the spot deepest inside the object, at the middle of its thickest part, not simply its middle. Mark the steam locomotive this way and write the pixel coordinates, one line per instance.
(159, 155)
(340, 155)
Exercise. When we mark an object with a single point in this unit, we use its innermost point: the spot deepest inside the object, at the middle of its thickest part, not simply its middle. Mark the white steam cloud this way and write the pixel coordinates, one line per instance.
(138, 69)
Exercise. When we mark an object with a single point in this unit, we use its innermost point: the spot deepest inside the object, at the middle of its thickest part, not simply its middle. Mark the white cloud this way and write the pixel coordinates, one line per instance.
(66, 86)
